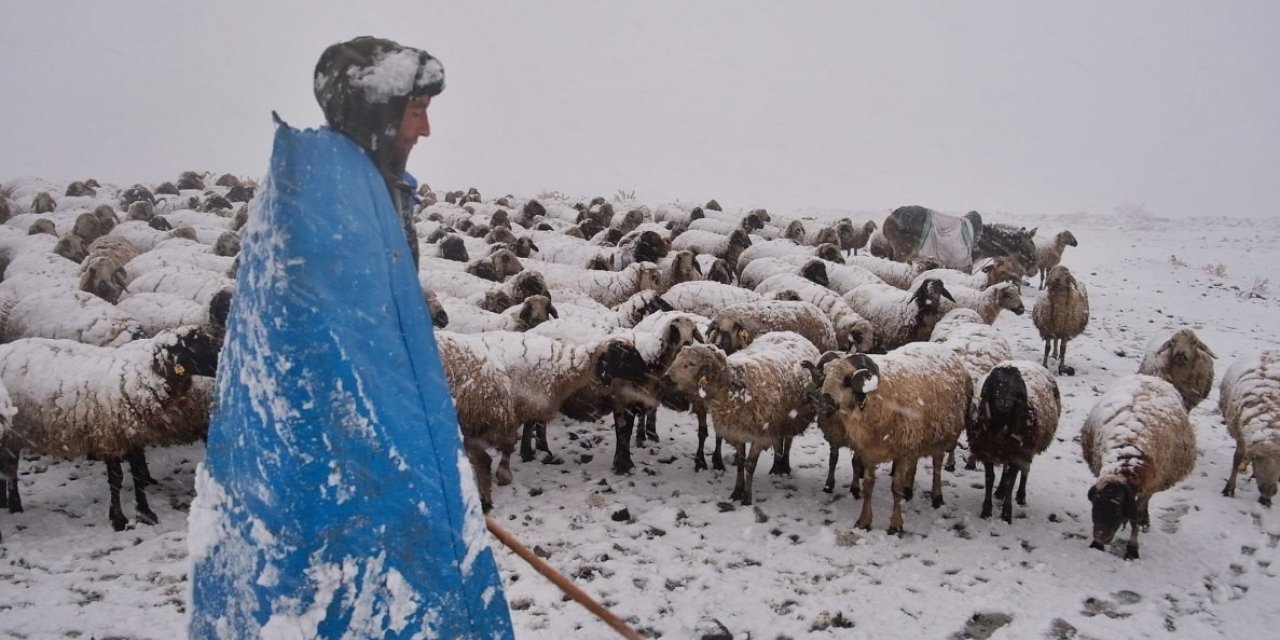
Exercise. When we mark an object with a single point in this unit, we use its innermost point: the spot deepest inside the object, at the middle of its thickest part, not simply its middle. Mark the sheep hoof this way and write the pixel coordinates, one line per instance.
(486, 506)
(527, 456)
(828, 488)
(865, 526)
(1229, 491)
(699, 464)
(908, 494)
(1131, 552)
(986, 512)
(147, 516)
(1071, 371)
(621, 468)
(857, 495)
(552, 458)
(736, 495)
(717, 465)
(1265, 501)
(896, 531)
(949, 467)
(969, 465)
(937, 501)
(1097, 545)
(119, 523)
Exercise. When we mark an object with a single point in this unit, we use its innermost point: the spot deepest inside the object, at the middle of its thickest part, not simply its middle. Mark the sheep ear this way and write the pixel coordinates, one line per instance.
(525, 313)
(1093, 493)
(1168, 344)
(698, 337)
(944, 293)
(1032, 232)
(551, 311)
(1205, 348)
(697, 267)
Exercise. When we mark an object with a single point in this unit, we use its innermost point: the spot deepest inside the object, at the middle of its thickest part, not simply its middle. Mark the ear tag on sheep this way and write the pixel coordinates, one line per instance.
(702, 382)
(742, 335)
(179, 369)
(1244, 466)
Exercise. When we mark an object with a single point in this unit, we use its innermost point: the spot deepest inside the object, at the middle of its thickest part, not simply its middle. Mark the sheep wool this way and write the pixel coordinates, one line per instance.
(1250, 403)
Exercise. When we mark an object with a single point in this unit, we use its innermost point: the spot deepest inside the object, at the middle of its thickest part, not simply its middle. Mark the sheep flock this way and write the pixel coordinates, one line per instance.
(589, 341)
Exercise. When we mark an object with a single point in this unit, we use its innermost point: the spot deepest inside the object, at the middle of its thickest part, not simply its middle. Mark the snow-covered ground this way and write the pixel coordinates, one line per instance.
(666, 549)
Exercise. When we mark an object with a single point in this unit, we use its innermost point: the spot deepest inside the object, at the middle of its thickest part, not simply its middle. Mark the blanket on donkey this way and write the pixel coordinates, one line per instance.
(335, 499)
(949, 239)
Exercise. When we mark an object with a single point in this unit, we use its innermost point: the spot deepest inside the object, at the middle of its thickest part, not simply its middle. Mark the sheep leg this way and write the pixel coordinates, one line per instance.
(527, 453)
(1045, 363)
(700, 460)
(9, 497)
(481, 466)
(1144, 517)
(623, 423)
(936, 489)
(781, 459)
(1007, 478)
(138, 460)
(832, 460)
(1043, 272)
(115, 477)
(752, 458)
(898, 480)
(1062, 359)
(1236, 460)
(1022, 485)
(1131, 549)
(545, 446)
(908, 490)
(868, 488)
(651, 424)
(989, 472)
(717, 460)
(740, 463)
(504, 475)
(950, 464)
(138, 470)
(855, 487)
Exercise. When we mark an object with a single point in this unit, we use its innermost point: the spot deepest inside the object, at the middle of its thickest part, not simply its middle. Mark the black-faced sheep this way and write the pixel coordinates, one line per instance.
(1014, 418)
(1182, 360)
(756, 397)
(138, 395)
(988, 274)
(1138, 441)
(728, 248)
(43, 202)
(881, 401)
(1061, 314)
(1249, 398)
(899, 316)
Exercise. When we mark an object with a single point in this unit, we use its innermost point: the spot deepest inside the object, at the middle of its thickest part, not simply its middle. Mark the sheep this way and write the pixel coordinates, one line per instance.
(852, 330)
(191, 283)
(468, 318)
(1014, 418)
(1061, 314)
(993, 272)
(102, 273)
(42, 225)
(756, 397)
(786, 248)
(158, 312)
(853, 237)
(71, 247)
(813, 270)
(987, 302)
(1182, 360)
(68, 315)
(606, 287)
(715, 269)
(41, 263)
(227, 245)
(899, 316)
(676, 214)
(177, 254)
(107, 403)
(43, 203)
(1049, 252)
(1137, 441)
(979, 345)
(881, 400)
(729, 247)
(831, 427)
(879, 247)
(136, 193)
(1249, 398)
(483, 398)
(738, 325)
(999, 239)
(682, 266)
(190, 180)
(141, 211)
(495, 267)
(898, 274)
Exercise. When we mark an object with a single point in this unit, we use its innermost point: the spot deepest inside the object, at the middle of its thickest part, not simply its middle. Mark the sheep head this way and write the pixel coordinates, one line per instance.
(1065, 239)
(794, 231)
(929, 295)
(529, 283)
(1265, 458)
(1002, 269)
(71, 247)
(189, 351)
(729, 333)
(678, 333)
(536, 310)
(829, 252)
(1184, 347)
(503, 235)
(720, 271)
(698, 368)
(855, 335)
(1059, 278)
(848, 383)
(42, 225)
(650, 247)
(816, 272)
(103, 278)
(828, 235)
(439, 317)
(1009, 297)
(648, 275)
(1114, 503)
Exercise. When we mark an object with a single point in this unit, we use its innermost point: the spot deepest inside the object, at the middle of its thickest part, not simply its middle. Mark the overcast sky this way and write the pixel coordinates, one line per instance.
(1028, 107)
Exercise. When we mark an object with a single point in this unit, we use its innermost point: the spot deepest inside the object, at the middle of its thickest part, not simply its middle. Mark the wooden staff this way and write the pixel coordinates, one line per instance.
(558, 579)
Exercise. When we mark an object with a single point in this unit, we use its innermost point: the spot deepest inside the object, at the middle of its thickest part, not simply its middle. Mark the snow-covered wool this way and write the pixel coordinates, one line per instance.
(177, 253)
(1249, 398)
(813, 270)
(736, 326)
(483, 399)
(715, 269)
(465, 317)
(641, 246)
(979, 345)
(68, 314)
(1182, 360)
(157, 312)
(1015, 415)
(190, 282)
(1137, 441)
(494, 267)
(559, 248)
(1061, 314)
(898, 274)
(606, 287)
(783, 248)
(678, 214)
(41, 263)
(729, 247)
(756, 397)
(722, 226)
(952, 319)
(853, 331)
(143, 236)
(988, 302)
(992, 272)
(900, 406)
(582, 318)
(1049, 251)
(77, 400)
(899, 316)
(227, 244)
(71, 247)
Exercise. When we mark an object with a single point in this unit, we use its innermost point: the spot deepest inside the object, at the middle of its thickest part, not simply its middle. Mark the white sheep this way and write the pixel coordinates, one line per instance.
(898, 274)
(1015, 416)
(736, 326)
(465, 317)
(952, 319)
(813, 270)
(1249, 398)
(989, 273)
(1137, 441)
(756, 397)
(681, 266)
(1061, 314)
(705, 298)
(899, 316)
(68, 315)
(906, 404)
(606, 287)
(783, 248)
(728, 248)
(189, 282)
(1049, 251)
(988, 302)
(109, 403)
(1184, 361)
(177, 253)
(853, 331)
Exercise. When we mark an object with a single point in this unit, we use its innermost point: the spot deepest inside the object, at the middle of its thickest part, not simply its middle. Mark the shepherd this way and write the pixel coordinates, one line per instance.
(336, 499)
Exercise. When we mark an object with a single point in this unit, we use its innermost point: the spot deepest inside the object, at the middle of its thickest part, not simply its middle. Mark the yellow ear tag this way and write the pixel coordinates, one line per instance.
(702, 382)
(179, 369)
(1244, 466)
(742, 335)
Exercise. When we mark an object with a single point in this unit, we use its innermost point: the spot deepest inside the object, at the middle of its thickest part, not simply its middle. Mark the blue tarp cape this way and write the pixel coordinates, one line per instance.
(335, 499)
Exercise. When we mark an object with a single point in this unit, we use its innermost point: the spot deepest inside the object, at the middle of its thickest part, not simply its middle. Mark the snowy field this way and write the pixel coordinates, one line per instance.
(664, 548)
